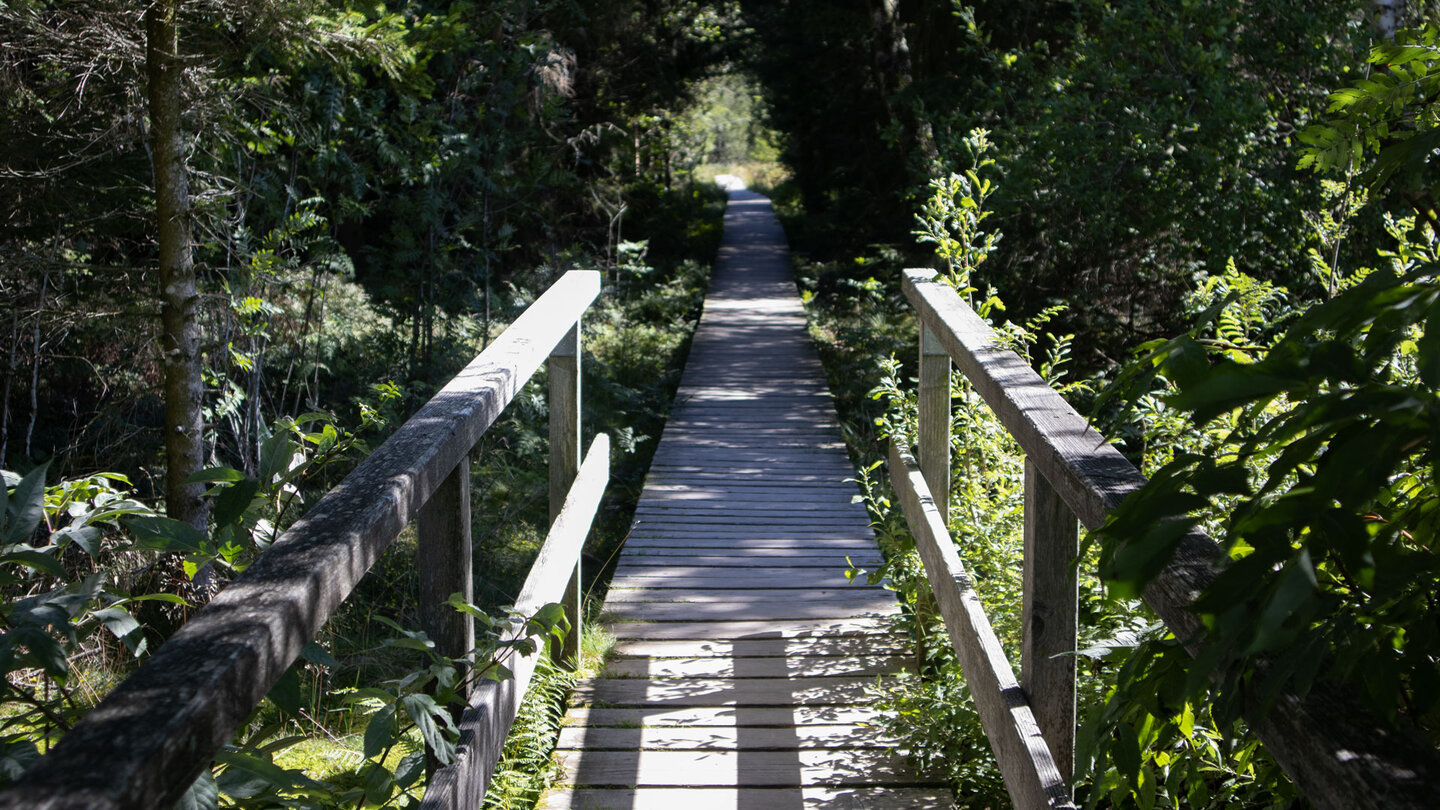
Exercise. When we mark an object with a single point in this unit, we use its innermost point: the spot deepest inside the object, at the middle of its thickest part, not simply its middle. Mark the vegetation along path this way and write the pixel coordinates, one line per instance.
(743, 653)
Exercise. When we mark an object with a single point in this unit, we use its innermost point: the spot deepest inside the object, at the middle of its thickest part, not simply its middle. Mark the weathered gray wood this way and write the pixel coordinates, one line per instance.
(765, 667)
(672, 692)
(1049, 616)
(723, 739)
(721, 716)
(493, 707)
(715, 798)
(1335, 750)
(1024, 759)
(859, 766)
(730, 602)
(564, 372)
(443, 560)
(145, 744)
(933, 418)
(764, 647)
(789, 628)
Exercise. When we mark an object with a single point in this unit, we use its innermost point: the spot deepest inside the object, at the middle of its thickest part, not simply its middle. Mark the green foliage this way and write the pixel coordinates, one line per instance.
(1389, 122)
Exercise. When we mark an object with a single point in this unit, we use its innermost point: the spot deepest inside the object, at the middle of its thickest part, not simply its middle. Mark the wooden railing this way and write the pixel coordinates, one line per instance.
(145, 744)
(1336, 753)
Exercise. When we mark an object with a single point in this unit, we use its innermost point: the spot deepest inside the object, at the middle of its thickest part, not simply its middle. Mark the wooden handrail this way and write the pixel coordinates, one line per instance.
(1337, 753)
(1030, 772)
(151, 737)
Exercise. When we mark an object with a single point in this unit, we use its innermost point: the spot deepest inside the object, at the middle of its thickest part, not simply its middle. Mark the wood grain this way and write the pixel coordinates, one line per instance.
(746, 659)
(1024, 758)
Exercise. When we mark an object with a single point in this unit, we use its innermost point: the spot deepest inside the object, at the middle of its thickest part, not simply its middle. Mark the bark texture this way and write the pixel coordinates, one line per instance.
(179, 297)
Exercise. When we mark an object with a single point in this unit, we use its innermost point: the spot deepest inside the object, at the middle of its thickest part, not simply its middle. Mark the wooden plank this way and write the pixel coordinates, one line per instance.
(697, 578)
(752, 559)
(737, 768)
(619, 598)
(724, 716)
(808, 691)
(753, 552)
(564, 405)
(703, 543)
(723, 739)
(1050, 616)
(484, 726)
(727, 798)
(756, 610)
(932, 400)
(757, 667)
(444, 561)
(790, 628)
(1031, 777)
(144, 745)
(1330, 745)
(892, 644)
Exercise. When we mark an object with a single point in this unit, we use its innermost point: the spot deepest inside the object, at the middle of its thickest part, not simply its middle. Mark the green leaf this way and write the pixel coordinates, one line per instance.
(316, 654)
(424, 712)
(382, 732)
(86, 537)
(410, 768)
(379, 784)
(124, 627)
(35, 560)
(214, 475)
(26, 507)
(285, 694)
(231, 503)
(203, 794)
(166, 534)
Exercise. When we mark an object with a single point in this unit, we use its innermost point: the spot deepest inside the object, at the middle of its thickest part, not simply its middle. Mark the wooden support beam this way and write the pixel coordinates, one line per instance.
(444, 562)
(933, 419)
(1051, 594)
(484, 726)
(564, 466)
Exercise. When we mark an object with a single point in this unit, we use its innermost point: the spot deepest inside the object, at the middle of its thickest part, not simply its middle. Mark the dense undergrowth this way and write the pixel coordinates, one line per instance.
(1294, 423)
(91, 571)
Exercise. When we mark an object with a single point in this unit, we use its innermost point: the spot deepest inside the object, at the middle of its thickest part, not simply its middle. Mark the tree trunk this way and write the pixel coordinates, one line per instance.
(179, 296)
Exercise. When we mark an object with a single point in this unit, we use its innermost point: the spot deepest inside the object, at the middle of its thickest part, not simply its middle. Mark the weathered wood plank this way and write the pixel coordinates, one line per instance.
(1050, 616)
(789, 628)
(722, 739)
(494, 704)
(760, 610)
(1031, 777)
(758, 667)
(443, 559)
(726, 798)
(893, 644)
(724, 716)
(671, 693)
(869, 596)
(737, 768)
(147, 741)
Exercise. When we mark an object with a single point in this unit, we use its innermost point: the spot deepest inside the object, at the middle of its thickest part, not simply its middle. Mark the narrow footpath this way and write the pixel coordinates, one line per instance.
(744, 655)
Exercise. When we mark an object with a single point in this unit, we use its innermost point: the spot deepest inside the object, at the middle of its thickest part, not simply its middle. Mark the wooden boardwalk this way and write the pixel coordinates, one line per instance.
(743, 652)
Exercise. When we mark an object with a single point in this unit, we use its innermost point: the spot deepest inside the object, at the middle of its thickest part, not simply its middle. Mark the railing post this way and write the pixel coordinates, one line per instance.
(564, 368)
(443, 529)
(1047, 658)
(933, 428)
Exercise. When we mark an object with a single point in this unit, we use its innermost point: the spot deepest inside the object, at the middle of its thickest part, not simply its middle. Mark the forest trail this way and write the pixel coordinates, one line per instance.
(744, 654)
